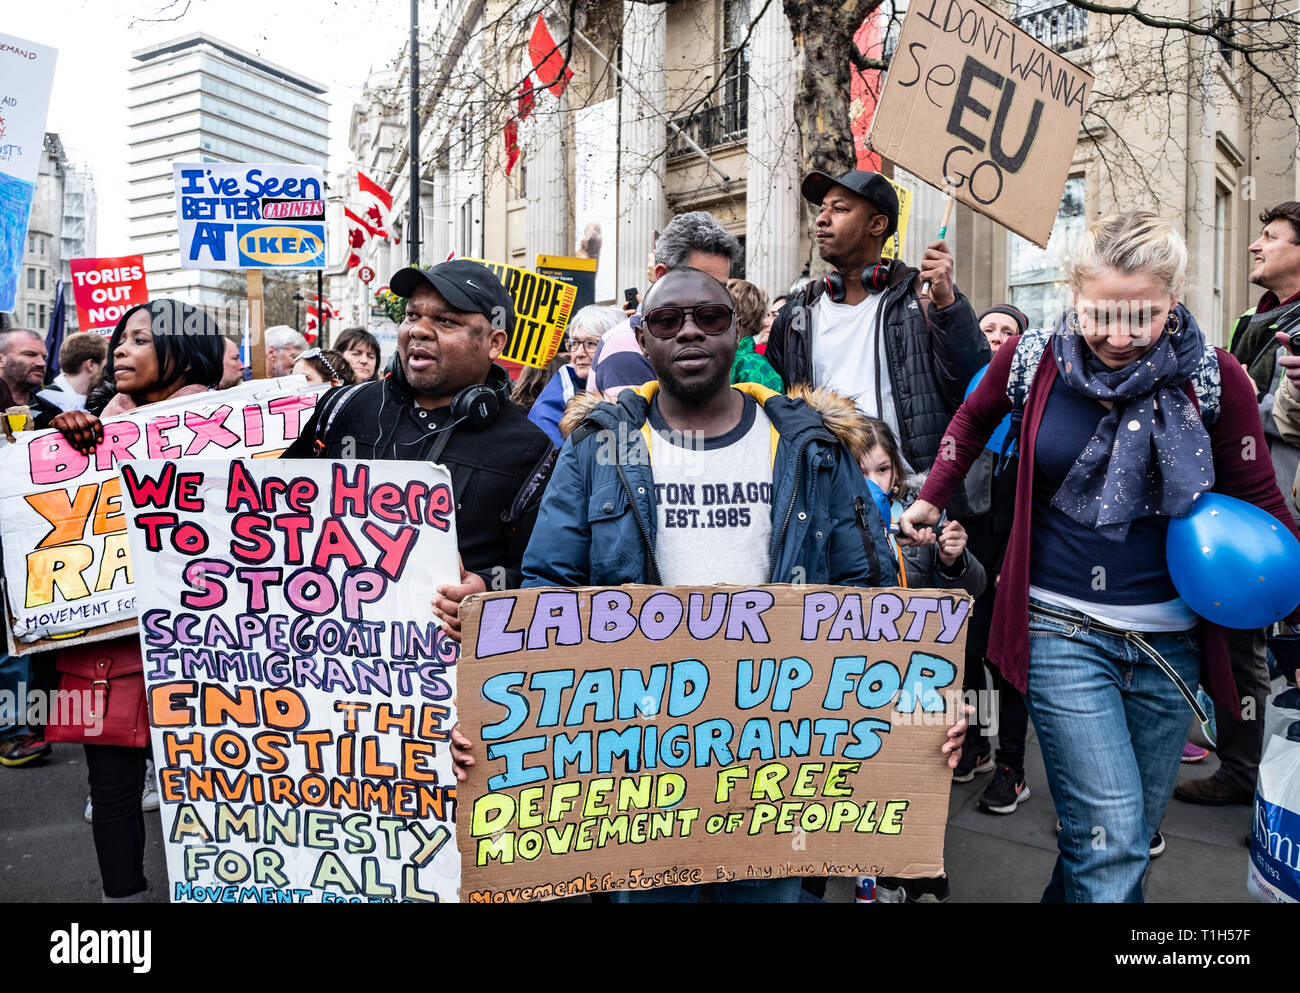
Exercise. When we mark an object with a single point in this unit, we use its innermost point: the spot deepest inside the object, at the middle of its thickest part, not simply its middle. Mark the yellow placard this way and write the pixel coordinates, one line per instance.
(893, 248)
(542, 309)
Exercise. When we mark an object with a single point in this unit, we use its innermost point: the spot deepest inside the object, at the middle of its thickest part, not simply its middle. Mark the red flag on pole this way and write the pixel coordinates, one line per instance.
(548, 60)
(375, 231)
(545, 71)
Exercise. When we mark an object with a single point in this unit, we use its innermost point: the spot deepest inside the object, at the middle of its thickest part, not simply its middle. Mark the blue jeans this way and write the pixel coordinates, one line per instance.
(1112, 727)
(15, 671)
(741, 891)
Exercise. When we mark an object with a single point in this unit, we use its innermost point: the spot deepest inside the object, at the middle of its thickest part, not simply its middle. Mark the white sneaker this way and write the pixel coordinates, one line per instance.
(90, 812)
(149, 800)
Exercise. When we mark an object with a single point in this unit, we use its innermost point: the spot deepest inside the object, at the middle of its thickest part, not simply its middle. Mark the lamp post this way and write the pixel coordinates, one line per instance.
(298, 298)
(413, 197)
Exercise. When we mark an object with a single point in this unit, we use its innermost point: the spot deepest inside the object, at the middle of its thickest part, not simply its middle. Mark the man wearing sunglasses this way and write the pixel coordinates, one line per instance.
(904, 357)
(689, 481)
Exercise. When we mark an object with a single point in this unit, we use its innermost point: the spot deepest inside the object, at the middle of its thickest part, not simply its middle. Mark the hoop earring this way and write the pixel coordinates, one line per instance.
(1072, 322)
(1172, 324)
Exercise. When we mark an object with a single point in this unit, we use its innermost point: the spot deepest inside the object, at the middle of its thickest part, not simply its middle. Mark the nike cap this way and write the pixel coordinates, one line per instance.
(871, 186)
(468, 287)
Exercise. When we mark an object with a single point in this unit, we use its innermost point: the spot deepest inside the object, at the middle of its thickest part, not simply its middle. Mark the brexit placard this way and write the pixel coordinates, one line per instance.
(250, 216)
(66, 563)
(975, 104)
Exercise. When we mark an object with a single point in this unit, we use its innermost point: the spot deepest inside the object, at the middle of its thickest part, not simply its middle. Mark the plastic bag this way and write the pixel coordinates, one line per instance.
(1273, 875)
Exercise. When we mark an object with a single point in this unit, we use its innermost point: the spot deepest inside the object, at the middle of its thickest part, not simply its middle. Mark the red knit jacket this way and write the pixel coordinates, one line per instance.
(976, 419)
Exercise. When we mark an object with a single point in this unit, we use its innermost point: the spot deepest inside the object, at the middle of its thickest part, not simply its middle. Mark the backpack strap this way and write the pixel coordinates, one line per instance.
(323, 424)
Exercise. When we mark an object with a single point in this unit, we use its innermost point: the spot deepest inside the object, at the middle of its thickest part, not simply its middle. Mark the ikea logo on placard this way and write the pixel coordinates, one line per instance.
(298, 245)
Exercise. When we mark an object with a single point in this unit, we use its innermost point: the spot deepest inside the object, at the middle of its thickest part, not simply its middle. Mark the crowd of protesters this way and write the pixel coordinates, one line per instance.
(915, 442)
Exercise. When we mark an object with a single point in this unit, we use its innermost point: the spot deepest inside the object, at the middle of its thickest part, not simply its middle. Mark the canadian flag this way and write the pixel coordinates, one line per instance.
(373, 209)
(373, 228)
(313, 318)
(545, 75)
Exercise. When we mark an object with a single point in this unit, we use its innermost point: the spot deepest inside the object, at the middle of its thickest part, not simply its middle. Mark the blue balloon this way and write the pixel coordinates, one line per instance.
(999, 435)
(1233, 563)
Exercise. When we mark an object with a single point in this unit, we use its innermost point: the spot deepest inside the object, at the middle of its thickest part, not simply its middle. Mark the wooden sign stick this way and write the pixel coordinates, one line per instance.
(943, 228)
(256, 324)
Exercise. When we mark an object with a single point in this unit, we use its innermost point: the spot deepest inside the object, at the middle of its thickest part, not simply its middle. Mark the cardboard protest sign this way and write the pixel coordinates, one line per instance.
(300, 688)
(542, 309)
(1006, 111)
(66, 563)
(240, 216)
(635, 737)
(105, 289)
(26, 75)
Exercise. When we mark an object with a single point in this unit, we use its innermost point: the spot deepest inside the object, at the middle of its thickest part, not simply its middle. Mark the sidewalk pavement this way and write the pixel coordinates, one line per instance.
(47, 853)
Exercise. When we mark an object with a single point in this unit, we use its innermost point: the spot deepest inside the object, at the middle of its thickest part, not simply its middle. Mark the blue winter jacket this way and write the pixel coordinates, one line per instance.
(596, 526)
(548, 408)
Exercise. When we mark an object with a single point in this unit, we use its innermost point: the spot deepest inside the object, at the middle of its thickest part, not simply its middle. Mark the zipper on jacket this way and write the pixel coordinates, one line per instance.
(789, 511)
(864, 529)
(640, 522)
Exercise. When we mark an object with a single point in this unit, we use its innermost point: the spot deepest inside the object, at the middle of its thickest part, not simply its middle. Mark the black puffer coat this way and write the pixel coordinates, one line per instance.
(929, 362)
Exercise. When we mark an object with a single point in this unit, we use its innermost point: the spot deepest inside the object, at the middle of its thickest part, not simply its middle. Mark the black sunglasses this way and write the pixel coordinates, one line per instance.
(711, 318)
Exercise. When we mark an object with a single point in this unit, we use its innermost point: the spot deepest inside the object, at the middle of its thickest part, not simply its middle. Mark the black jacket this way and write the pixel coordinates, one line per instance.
(498, 472)
(929, 362)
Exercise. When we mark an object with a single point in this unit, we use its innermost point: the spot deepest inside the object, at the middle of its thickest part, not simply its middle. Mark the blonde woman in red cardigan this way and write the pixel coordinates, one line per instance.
(1127, 416)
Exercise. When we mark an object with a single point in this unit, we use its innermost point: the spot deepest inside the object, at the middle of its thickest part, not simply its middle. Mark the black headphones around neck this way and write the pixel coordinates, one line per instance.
(874, 279)
(478, 405)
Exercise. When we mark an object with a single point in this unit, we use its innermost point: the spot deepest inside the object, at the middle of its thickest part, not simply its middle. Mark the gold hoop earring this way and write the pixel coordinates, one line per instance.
(1172, 324)
(1072, 322)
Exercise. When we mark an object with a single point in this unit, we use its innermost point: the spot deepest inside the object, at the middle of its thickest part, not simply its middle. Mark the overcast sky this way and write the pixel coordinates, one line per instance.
(331, 42)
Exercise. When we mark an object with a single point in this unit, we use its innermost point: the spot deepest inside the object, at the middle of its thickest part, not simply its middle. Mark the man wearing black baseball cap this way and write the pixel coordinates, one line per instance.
(867, 332)
(444, 399)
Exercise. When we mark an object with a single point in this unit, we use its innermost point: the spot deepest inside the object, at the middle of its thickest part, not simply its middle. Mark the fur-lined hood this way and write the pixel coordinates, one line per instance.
(838, 413)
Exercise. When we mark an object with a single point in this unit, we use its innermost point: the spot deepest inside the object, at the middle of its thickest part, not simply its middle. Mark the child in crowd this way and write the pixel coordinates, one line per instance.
(946, 564)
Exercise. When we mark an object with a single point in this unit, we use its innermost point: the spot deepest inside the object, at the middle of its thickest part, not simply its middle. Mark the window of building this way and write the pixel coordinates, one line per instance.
(31, 278)
(467, 227)
(1223, 29)
(738, 266)
(42, 311)
(40, 243)
(42, 272)
(1220, 256)
(1036, 278)
(31, 315)
(734, 66)
(466, 142)
(1062, 27)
